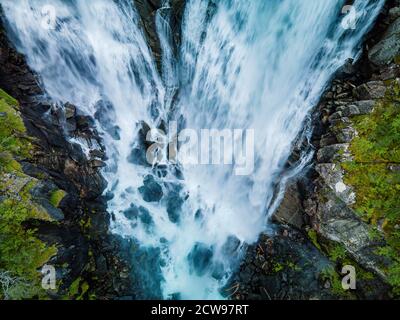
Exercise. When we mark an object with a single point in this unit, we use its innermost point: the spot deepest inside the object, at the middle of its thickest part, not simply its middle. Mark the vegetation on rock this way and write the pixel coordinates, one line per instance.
(22, 254)
(375, 174)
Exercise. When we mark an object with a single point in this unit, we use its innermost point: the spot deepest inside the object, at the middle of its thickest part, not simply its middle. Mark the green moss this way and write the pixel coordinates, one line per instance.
(85, 223)
(12, 131)
(335, 280)
(74, 288)
(21, 253)
(293, 266)
(312, 234)
(375, 176)
(277, 267)
(56, 197)
(78, 289)
(8, 99)
(397, 60)
(337, 253)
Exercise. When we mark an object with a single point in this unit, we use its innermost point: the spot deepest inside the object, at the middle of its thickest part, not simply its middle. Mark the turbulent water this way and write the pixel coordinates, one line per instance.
(257, 65)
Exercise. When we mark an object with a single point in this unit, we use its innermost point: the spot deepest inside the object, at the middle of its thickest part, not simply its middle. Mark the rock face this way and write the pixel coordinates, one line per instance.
(317, 216)
(148, 10)
(87, 260)
(389, 47)
(331, 203)
(291, 211)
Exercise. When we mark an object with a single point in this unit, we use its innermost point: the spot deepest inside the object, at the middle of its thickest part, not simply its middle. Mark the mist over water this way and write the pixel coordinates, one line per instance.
(256, 65)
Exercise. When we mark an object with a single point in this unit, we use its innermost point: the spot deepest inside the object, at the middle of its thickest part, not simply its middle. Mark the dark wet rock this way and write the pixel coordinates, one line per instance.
(84, 122)
(109, 196)
(146, 266)
(55, 213)
(101, 264)
(151, 191)
(200, 258)
(346, 70)
(174, 206)
(105, 114)
(138, 153)
(147, 11)
(76, 153)
(132, 212)
(71, 125)
(70, 110)
(218, 271)
(231, 246)
(138, 156)
(390, 72)
(291, 210)
(41, 193)
(328, 139)
(97, 164)
(98, 154)
(114, 132)
(394, 13)
(284, 265)
(145, 217)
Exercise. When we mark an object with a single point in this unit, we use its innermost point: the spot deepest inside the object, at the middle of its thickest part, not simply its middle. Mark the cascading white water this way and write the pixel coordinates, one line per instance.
(259, 65)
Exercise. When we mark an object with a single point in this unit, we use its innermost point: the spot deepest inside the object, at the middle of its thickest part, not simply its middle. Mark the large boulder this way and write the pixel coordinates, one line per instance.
(336, 152)
(388, 48)
(370, 91)
(334, 220)
(151, 191)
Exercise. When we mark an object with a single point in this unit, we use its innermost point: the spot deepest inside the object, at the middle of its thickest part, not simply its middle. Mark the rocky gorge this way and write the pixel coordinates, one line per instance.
(342, 210)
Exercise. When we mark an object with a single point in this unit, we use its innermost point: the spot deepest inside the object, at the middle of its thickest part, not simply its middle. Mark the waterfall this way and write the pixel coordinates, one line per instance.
(257, 66)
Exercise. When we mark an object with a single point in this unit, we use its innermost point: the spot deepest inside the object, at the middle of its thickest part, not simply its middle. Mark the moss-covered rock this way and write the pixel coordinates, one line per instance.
(22, 254)
(375, 175)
